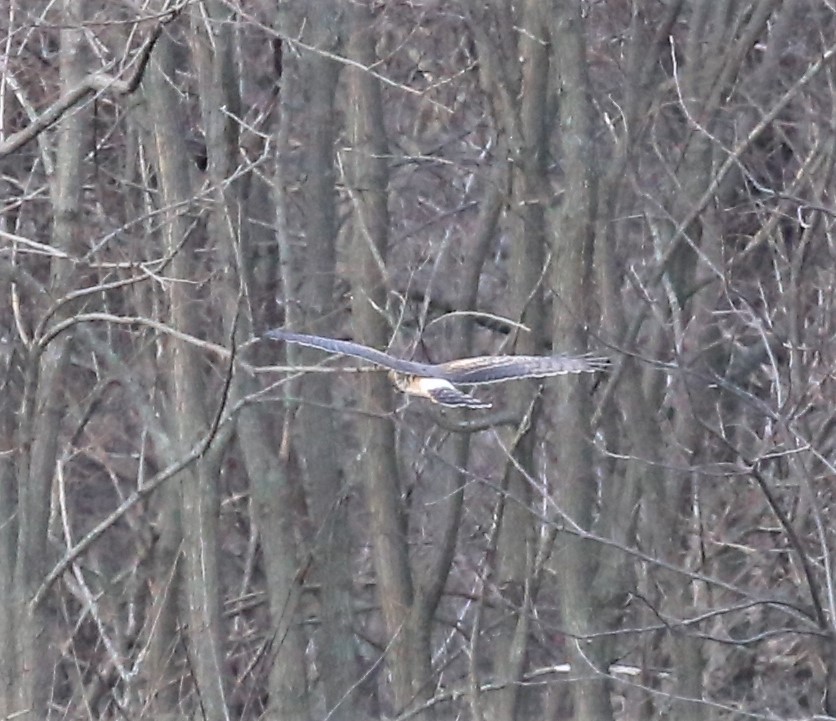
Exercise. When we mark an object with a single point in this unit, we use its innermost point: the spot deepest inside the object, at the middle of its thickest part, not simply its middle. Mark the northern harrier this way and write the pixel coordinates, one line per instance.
(435, 381)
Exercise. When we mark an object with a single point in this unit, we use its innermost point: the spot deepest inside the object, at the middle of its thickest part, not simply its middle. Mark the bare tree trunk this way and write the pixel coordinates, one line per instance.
(199, 492)
(572, 449)
(8, 546)
(515, 73)
(639, 402)
(41, 413)
(368, 186)
(317, 428)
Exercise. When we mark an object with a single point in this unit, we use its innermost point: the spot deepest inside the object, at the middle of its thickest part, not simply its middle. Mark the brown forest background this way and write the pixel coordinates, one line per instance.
(200, 524)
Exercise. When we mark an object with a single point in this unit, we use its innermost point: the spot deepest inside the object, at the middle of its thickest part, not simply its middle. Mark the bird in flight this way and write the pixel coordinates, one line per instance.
(437, 382)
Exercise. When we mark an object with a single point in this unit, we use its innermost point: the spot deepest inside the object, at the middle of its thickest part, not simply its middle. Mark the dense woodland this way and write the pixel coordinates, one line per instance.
(200, 523)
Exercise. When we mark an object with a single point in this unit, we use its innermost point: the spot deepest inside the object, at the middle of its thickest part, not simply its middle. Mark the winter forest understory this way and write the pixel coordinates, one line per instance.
(200, 523)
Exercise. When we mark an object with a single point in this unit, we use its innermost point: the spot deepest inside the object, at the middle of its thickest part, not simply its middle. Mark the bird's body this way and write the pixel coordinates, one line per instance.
(435, 381)
(438, 390)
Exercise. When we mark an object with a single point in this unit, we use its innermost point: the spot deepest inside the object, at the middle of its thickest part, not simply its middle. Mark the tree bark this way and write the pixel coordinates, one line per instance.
(571, 446)
(406, 654)
(41, 414)
(199, 500)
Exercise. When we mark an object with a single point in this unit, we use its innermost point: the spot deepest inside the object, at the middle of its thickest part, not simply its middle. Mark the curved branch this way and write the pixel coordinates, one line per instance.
(97, 82)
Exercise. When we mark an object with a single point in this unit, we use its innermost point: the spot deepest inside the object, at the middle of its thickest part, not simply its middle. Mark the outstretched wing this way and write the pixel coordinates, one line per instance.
(492, 369)
(347, 348)
(482, 369)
